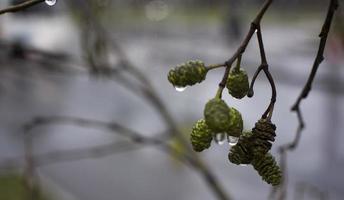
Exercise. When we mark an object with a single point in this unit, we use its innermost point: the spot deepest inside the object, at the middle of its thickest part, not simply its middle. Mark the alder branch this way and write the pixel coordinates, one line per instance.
(320, 55)
(307, 88)
(254, 25)
(333, 5)
(20, 6)
(265, 67)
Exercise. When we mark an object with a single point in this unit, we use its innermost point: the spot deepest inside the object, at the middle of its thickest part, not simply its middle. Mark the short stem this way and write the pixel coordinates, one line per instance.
(238, 64)
(215, 66)
(219, 93)
(223, 83)
(253, 81)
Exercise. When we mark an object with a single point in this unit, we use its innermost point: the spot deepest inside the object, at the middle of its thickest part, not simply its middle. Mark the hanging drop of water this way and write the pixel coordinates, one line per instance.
(220, 138)
(232, 140)
(179, 89)
(50, 2)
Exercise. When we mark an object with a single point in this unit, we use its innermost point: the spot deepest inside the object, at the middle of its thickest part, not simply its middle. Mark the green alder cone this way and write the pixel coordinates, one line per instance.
(263, 136)
(268, 169)
(238, 84)
(187, 74)
(236, 123)
(201, 136)
(217, 115)
(241, 152)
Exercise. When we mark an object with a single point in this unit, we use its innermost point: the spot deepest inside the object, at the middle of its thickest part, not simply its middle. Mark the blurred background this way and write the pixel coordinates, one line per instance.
(80, 58)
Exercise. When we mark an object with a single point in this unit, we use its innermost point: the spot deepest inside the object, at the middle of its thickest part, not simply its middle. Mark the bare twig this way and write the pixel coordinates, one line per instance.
(214, 66)
(254, 25)
(265, 67)
(333, 5)
(20, 6)
(320, 55)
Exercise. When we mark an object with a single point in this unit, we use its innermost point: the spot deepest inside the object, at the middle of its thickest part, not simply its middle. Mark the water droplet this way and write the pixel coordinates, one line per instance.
(232, 140)
(244, 165)
(50, 2)
(220, 138)
(180, 89)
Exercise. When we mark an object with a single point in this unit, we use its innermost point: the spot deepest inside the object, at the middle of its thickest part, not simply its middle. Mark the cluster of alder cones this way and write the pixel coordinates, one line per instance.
(221, 121)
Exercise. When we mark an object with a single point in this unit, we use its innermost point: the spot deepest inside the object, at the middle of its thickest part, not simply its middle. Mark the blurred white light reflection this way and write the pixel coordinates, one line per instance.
(156, 10)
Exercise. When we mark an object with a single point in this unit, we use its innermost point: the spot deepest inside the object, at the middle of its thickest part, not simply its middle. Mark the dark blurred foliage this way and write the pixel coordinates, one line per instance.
(13, 187)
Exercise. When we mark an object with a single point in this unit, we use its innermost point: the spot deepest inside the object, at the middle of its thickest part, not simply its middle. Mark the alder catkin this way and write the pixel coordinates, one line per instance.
(201, 136)
(236, 123)
(241, 152)
(263, 135)
(187, 74)
(268, 169)
(217, 115)
(237, 83)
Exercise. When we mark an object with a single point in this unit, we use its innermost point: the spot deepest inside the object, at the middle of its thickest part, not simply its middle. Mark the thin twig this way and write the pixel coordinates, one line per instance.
(265, 67)
(320, 55)
(307, 88)
(333, 5)
(253, 81)
(215, 66)
(20, 6)
(254, 25)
